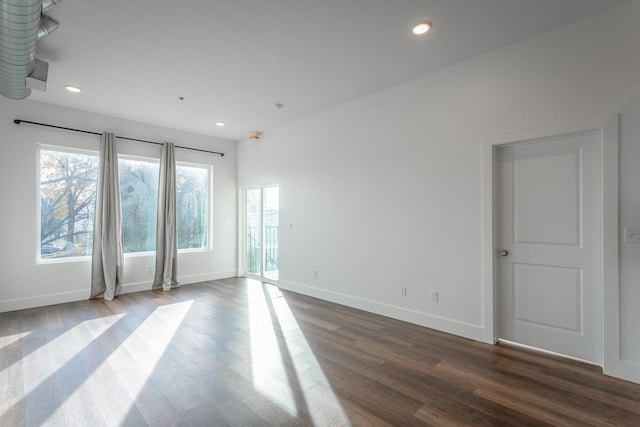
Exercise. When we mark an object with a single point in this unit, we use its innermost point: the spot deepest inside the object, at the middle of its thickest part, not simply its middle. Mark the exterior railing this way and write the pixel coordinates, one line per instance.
(253, 249)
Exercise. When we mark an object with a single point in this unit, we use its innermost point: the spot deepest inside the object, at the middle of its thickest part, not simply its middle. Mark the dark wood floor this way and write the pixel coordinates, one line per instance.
(238, 352)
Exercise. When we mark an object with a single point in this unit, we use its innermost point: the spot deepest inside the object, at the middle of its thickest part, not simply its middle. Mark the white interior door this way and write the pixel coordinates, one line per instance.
(550, 236)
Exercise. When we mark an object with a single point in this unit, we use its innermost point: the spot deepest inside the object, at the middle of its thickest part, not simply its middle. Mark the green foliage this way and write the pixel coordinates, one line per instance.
(67, 199)
(139, 196)
(191, 199)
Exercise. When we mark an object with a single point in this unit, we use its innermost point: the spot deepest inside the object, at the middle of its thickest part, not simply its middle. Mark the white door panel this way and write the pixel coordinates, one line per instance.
(550, 217)
(549, 296)
(556, 190)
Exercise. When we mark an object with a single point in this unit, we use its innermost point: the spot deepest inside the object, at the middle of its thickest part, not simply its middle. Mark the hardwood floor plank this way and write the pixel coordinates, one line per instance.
(239, 352)
(375, 397)
(436, 417)
(550, 401)
(563, 385)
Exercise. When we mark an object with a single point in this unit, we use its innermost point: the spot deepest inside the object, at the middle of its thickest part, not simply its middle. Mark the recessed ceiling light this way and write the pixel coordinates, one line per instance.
(73, 89)
(221, 124)
(422, 27)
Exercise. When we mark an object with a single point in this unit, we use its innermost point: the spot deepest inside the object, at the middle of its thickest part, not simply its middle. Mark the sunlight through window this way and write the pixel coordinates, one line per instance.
(267, 368)
(131, 362)
(323, 405)
(62, 349)
(280, 355)
(57, 352)
(10, 339)
(134, 365)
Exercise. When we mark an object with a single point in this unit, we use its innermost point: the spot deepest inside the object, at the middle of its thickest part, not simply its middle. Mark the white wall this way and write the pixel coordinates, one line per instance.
(23, 282)
(386, 190)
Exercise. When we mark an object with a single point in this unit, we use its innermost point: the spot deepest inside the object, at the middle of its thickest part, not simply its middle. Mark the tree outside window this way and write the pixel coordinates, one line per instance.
(68, 182)
(67, 202)
(139, 196)
(192, 185)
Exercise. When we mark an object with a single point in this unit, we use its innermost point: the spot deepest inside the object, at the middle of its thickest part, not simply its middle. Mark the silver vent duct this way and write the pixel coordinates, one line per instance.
(48, 4)
(47, 26)
(21, 25)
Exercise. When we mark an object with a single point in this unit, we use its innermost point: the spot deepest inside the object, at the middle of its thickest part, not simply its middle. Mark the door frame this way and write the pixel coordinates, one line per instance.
(242, 237)
(607, 127)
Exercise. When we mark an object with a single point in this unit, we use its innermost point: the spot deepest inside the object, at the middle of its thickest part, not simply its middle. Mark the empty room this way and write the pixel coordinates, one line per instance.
(320, 213)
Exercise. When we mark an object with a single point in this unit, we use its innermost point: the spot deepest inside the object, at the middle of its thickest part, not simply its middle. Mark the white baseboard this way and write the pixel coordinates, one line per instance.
(64, 297)
(42, 300)
(630, 371)
(197, 278)
(450, 326)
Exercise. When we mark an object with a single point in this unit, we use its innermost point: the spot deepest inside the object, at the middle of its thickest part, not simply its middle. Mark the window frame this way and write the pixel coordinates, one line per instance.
(72, 150)
(38, 241)
(209, 168)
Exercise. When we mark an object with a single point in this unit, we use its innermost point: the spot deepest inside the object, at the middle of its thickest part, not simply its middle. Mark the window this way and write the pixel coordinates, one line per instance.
(68, 180)
(67, 202)
(192, 188)
(139, 200)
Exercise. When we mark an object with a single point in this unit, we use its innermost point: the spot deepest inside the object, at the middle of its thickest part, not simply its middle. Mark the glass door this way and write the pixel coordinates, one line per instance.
(262, 206)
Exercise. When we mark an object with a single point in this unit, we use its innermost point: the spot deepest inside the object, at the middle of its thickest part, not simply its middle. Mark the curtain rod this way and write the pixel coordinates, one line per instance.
(18, 121)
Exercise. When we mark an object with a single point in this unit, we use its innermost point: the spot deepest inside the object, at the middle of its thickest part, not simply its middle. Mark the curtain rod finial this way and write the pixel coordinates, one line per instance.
(17, 121)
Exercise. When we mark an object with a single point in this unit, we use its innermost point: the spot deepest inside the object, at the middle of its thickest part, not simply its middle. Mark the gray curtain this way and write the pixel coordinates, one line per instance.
(166, 276)
(107, 259)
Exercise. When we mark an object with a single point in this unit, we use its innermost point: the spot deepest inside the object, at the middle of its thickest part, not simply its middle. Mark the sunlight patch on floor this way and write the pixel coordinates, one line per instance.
(268, 371)
(61, 350)
(323, 405)
(10, 339)
(44, 362)
(133, 363)
(270, 314)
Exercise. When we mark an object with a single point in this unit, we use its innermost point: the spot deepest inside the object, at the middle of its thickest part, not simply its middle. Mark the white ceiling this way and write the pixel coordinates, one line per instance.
(233, 60)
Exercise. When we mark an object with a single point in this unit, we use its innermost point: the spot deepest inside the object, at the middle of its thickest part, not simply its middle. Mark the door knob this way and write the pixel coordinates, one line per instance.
(503, 252)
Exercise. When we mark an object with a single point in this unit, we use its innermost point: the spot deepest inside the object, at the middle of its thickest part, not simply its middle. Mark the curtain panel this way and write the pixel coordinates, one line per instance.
(166, 274)
(107, 259)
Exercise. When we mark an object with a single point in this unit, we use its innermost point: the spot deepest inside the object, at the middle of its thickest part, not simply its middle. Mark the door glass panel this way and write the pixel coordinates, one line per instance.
(254, 235)
(271, 221)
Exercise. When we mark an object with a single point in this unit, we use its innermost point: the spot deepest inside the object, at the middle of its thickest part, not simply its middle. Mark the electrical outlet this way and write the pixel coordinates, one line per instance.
(315, 274)
(632, 235)
(403, 291)
(149, 269)
(433, 296)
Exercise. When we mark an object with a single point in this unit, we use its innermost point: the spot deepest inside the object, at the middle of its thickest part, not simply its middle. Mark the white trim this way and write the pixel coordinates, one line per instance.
(42, 300)
(197, 278)
(610, 247)
(241, 230)
(607, 127)
(443, 324)
(528, 348)
(72, 296)
(630, 371)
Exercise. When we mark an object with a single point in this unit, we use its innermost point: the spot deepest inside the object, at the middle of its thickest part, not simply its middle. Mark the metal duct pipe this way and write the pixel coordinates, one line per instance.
(21, 24)
(48, 4)
(47, 26)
